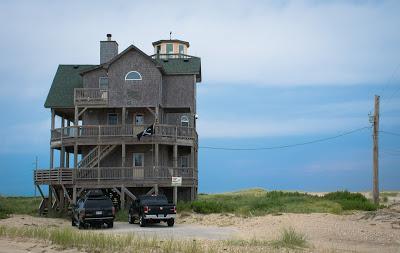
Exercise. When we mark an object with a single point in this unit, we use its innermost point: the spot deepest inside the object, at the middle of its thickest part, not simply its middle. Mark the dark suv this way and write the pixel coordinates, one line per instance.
(94, 209)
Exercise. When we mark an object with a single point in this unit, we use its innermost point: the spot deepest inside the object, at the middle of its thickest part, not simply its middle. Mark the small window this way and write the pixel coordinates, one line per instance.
(181, 49)
(133, 75)
(139, 119)
(158, 49)
(138, 159)
(103, 83)
(112, 119)
(185, 121)
(170, 48)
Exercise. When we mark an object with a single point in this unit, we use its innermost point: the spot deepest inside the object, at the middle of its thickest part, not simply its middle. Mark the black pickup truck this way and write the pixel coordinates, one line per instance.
(94, 209)
(152, 209)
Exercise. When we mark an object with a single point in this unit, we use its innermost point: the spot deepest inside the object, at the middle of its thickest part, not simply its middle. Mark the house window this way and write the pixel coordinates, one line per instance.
(158, 49)
(133, 75)
(139, 119)
(184, 121)
(181, 49)
(184, 161)
(103, 83)
(112, 119)
(138, 159)
(170, 48)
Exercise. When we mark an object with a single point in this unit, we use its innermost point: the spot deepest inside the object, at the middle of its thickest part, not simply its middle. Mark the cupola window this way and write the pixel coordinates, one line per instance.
(133, 75)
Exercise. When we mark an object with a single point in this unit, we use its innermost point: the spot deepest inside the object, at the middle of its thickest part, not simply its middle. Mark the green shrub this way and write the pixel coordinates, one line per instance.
(351, 201)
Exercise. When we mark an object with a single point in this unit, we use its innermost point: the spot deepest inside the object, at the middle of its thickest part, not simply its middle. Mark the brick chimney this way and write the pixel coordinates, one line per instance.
(108, 49)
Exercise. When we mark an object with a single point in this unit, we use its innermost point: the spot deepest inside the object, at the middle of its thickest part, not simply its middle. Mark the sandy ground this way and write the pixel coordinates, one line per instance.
(24, 246)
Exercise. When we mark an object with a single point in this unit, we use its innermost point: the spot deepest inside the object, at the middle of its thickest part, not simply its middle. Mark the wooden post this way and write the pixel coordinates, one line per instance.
(157, 118)
(61, 198)
(74, 195)
(51, 158)
(75, 155)
(175, 156)
(76, 117)
(376, 152)
(62, 150)
(123, 117)
(156, 147)
(122, 199)
(123, 156)
(50, 200)
(52, 128)
(175, 195)
(67, 153)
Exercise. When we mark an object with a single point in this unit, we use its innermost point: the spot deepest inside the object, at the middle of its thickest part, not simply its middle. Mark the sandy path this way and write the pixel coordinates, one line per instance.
(24, 246)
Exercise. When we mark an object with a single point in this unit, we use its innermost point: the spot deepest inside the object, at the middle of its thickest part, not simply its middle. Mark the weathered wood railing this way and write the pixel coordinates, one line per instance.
(121, 130)
(68, 176)
(171, 56)
(53, 176)
(90, 96)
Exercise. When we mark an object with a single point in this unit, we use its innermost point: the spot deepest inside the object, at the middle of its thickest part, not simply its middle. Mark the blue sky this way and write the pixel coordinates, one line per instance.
(274, 73)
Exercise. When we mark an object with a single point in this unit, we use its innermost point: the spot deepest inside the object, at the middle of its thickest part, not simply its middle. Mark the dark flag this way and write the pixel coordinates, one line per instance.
(147, 132)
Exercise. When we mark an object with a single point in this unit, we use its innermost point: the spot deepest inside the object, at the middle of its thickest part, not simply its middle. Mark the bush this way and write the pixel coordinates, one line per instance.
(351, 201)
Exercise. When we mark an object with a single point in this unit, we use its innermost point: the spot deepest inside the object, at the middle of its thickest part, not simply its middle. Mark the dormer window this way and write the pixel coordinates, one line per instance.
(133, 75)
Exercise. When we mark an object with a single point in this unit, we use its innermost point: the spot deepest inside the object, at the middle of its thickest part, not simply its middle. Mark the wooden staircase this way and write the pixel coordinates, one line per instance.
(96, 155)
(43, 207)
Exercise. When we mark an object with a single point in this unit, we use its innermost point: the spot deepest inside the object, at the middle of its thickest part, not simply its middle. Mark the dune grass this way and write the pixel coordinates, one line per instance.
(290, 239)
(258, 202)
(18, 205)
(89, 241)
(251, 202)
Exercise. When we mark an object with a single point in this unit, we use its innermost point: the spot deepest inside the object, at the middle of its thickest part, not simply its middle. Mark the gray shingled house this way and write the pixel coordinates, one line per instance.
(127, 125)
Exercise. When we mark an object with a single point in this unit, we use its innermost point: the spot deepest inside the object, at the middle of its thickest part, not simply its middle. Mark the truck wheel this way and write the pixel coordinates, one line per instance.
(142, 221)
(80, 225)
(130, 219)
(110, 224)
(170, 222)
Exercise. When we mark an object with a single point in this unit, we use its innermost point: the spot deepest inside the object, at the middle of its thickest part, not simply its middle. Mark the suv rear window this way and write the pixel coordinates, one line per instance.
(98, 203)
(154, 200)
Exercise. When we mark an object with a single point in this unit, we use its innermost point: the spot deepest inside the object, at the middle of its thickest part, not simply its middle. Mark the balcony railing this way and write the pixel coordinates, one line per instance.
(69, 176)
(171, 56)
(53, 176)
(94, 131)
(90, 96)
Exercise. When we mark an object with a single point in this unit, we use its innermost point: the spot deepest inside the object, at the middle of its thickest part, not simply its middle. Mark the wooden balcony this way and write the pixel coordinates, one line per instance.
(114, 175)
(98, 132)
(53, 176)
(90, 96)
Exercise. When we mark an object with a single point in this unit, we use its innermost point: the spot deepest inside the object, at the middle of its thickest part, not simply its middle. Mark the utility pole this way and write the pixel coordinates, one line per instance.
(375, 191)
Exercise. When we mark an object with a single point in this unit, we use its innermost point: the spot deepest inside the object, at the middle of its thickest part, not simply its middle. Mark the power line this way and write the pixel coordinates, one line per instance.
(390, 133)
(290, 145)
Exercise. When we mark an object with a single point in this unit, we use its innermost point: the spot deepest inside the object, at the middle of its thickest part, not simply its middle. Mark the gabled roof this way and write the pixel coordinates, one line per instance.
(131, 47)
(67, 78)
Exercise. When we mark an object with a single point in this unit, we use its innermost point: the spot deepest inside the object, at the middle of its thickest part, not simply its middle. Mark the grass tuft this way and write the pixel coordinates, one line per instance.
(290, 239)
